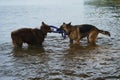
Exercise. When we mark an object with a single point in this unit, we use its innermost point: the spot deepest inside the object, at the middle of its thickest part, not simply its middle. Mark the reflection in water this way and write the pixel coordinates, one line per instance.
(82, 50)
(30, 63)
(28, 51)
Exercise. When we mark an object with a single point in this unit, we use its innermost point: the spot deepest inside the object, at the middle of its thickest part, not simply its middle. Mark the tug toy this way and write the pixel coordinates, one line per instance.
(57, 30)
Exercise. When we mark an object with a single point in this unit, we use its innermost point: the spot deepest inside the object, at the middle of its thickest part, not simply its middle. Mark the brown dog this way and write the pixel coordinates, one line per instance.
(77, 32)
(30, 36)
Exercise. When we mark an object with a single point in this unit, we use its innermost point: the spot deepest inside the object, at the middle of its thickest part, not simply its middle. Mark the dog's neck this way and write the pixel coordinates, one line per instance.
(44, 33)
(72, 28)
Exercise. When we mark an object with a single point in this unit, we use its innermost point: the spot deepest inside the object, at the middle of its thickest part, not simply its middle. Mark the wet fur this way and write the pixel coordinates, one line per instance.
(33, 37)
(77, 32)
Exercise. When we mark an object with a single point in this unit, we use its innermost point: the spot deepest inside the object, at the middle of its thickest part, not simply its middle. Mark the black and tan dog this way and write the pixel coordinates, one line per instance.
(33, 37)
(77, 32)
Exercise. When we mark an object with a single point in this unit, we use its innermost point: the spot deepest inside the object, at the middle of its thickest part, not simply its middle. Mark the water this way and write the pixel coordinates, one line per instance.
(58, 60)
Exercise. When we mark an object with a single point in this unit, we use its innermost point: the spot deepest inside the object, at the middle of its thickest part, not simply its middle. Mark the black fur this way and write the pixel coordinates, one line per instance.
(86, 28)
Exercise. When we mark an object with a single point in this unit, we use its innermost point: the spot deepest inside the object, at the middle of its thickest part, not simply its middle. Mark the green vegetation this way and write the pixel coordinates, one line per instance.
(103, 3)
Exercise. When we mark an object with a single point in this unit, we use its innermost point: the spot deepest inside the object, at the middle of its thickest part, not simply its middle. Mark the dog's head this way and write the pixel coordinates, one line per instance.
(45, 28)
(66, 27)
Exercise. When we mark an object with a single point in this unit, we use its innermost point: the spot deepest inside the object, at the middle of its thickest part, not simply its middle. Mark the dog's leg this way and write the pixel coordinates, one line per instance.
(78, 36)
(14, 43)
(77, 41)
(92, 36)
(17, 43)
(71, 41)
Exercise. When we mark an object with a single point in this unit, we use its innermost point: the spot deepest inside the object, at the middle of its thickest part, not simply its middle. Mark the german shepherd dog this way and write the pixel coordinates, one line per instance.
(33, 37)
(77, 32)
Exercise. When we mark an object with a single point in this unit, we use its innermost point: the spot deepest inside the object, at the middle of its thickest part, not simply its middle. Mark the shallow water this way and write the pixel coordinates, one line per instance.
(58, 60)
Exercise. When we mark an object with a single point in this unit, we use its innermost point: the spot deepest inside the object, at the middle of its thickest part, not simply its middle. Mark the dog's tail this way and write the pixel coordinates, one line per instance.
(104, 32)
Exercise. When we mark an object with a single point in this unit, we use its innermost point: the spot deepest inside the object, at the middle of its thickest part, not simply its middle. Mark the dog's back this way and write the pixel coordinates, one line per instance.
(86, 28)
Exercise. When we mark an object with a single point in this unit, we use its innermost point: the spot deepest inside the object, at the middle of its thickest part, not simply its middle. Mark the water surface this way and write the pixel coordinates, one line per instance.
(58, 60)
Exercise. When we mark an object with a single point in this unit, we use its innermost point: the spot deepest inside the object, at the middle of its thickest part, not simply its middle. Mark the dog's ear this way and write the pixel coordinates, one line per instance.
(43, 23)
(63, 23)
(69, 23)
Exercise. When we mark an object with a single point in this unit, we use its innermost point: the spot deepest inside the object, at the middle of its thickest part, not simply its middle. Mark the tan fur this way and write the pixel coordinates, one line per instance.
(78, 32)
(92, 36)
